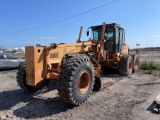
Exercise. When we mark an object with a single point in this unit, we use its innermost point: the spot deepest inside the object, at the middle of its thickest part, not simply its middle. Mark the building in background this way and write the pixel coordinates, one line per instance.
(20, 50)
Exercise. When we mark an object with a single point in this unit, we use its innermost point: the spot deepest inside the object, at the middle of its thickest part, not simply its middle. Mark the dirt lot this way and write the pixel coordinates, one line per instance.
(121, 98)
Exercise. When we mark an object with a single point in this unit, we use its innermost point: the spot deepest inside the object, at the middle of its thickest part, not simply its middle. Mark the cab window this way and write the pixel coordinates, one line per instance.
(95, 34)
(1, 56)
(109, 37)
(109, 33)
(10, 57)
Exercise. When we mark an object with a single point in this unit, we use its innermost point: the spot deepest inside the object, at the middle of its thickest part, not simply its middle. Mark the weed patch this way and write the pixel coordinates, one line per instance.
(148, 66)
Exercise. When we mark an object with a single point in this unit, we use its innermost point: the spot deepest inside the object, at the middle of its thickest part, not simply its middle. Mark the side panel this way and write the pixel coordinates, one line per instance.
(35, 67)
(3, 61)
(124, 49)
(44, 62)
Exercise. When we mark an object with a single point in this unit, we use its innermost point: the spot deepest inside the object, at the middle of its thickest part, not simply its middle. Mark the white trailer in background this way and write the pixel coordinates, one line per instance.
(21, 50)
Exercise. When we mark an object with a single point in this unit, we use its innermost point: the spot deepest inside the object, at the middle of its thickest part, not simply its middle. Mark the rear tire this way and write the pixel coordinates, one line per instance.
(135, 63)
(21, 80)
(126, 65)
(76, 80)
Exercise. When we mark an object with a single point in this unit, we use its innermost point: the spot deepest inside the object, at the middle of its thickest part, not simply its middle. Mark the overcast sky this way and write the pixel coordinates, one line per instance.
(139, 18)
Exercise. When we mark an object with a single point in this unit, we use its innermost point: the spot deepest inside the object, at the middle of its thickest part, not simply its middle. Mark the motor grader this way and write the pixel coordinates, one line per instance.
(77, 66)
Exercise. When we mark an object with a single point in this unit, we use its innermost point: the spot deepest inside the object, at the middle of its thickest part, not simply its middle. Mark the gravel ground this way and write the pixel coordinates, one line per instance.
(121, 98)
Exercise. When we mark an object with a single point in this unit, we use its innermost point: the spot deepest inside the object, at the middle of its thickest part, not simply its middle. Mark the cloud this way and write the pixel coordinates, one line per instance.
(156, 36)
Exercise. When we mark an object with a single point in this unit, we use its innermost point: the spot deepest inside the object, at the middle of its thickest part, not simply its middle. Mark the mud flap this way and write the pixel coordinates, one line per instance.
(97, 85)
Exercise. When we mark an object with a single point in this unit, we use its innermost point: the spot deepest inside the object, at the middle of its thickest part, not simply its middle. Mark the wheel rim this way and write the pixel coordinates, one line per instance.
(84, 80)
(130, 65)
(136, 63)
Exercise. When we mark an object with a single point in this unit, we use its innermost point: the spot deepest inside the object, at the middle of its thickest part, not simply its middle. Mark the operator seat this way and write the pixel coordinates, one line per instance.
(108, 45)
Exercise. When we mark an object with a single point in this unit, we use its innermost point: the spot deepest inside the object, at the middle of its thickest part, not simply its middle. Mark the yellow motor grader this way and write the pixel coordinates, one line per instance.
(77, 66)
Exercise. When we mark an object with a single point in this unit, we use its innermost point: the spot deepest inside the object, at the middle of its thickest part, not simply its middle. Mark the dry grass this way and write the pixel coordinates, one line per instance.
(150, 67)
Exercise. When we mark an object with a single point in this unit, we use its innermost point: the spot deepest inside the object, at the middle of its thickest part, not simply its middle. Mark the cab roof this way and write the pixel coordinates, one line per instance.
(107, 25)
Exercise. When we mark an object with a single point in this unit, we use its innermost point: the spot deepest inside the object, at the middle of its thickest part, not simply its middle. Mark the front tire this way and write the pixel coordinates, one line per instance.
(135, 63)
(76, 80)
(21, 80)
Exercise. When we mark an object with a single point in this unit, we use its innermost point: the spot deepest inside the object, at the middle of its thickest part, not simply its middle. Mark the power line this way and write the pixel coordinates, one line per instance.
(61, 19)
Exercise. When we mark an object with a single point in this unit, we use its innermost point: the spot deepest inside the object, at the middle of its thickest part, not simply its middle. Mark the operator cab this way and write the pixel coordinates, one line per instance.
(113, 37)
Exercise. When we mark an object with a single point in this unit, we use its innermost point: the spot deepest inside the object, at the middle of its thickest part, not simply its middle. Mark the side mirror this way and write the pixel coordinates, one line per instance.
(87, 33)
